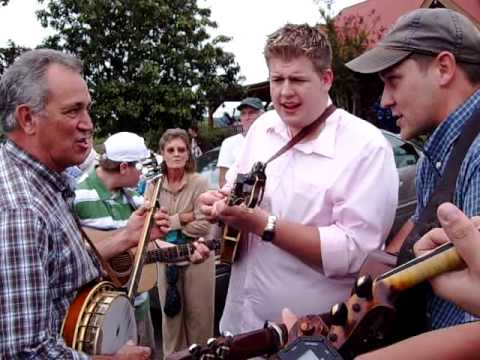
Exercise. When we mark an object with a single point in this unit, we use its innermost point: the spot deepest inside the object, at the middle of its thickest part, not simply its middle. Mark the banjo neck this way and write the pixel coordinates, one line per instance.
(142, 244)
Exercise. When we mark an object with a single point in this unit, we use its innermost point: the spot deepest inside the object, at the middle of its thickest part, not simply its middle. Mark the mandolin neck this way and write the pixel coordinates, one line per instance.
(443, 259)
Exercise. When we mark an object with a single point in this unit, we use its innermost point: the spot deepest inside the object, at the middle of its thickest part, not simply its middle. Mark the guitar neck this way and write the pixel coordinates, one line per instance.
(176, 253)
(443, 259)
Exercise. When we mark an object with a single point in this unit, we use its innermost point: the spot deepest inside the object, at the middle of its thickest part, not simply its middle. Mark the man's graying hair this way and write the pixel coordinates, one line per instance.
(24, 82)
(292, 41)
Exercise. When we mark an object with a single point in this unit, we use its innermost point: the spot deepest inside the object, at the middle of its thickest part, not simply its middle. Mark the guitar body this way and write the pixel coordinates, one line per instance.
(122, 265)
(100, 320)
(228, 248)
(149, 277)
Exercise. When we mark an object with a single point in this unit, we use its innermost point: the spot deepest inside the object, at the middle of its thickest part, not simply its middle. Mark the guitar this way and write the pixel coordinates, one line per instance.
(365, 321)
(248, 190)
(121, 264)
(266, 341)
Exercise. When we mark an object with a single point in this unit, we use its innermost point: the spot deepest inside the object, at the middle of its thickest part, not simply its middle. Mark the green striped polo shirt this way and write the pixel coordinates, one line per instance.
(99, 208)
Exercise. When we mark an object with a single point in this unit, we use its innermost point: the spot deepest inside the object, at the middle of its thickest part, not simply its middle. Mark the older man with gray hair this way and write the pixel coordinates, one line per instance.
(44, 109)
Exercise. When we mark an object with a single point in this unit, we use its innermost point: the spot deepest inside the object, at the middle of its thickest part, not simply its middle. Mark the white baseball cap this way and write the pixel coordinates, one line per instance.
(125, 147)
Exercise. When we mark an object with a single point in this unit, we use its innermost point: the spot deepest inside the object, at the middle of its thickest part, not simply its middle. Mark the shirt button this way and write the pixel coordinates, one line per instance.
(438, 165)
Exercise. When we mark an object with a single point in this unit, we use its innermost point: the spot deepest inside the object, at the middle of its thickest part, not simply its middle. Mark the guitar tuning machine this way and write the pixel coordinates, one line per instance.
(211, 342)
(223, 350)
(194, 350)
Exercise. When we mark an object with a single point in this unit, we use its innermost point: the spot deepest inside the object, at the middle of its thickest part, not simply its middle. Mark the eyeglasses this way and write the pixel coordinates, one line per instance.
(180, 150)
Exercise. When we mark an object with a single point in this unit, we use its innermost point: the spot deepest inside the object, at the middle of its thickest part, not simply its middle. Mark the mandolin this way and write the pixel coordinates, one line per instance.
(122, 263)
(247, 191)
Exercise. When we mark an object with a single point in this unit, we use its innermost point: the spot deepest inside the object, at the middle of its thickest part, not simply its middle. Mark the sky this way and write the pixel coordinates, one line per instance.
(247, 22)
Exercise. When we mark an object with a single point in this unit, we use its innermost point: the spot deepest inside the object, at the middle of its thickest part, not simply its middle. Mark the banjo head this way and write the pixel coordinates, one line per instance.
(118, 326)
(107, 322)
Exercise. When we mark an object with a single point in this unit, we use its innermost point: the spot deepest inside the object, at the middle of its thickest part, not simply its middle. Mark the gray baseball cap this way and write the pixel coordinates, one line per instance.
(422, 31)
(252, 102)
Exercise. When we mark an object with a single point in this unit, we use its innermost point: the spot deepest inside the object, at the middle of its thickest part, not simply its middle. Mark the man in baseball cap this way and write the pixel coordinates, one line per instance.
(430, 65)
(250, 109)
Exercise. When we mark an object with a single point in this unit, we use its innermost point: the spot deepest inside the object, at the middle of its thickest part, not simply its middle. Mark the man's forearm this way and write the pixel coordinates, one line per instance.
(108, 242)
(397, 242)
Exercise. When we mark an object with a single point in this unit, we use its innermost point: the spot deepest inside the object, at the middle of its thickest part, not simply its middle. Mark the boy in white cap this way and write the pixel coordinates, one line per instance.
(105, 200)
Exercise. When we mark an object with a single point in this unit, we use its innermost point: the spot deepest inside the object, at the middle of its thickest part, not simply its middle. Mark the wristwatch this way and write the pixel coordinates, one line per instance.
(269, 231)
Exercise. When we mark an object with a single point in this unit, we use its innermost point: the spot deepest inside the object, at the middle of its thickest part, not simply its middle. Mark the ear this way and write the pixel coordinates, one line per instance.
(327, 78)
(446, 66)
(123, 168)
(25, 119)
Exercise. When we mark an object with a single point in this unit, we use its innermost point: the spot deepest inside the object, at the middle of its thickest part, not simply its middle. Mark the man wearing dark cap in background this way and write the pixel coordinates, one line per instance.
(430, 65)
(250, 109)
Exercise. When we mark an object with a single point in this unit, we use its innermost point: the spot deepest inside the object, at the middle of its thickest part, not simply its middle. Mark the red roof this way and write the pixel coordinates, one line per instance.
(387, 12)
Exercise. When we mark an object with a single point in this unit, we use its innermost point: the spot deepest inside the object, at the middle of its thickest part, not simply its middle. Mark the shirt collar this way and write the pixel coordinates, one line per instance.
(441, 141)
(58, 181)
(323, 144)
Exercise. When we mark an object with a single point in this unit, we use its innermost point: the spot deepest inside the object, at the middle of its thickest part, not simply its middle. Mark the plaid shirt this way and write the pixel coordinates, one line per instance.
(43, 259)
(467, 191)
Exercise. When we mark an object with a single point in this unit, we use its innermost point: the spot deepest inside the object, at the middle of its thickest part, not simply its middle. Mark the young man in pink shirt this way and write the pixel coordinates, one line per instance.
(329, 200)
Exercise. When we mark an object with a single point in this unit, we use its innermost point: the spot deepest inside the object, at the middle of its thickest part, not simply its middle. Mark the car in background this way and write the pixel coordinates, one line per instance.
(407, 155)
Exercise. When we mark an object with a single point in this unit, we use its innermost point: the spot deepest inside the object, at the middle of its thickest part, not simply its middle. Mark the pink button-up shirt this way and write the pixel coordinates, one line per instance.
(345, 183)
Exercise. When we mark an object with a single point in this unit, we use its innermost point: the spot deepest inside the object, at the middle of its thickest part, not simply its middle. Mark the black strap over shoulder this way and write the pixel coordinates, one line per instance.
(412, 305)
(445, 188)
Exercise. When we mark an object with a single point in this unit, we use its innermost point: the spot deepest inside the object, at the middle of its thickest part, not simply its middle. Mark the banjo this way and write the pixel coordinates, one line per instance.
(101, 318)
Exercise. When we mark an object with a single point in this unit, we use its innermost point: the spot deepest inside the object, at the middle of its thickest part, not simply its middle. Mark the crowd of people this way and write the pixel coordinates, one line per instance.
(329, 200)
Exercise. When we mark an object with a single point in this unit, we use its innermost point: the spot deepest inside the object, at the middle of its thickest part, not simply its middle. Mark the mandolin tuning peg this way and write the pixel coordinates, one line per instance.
(339, 313)
(363, 287)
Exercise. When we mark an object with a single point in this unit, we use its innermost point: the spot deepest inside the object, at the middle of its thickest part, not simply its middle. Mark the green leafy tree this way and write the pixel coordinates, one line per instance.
(8, 54)
(150, 64)
(350, 36)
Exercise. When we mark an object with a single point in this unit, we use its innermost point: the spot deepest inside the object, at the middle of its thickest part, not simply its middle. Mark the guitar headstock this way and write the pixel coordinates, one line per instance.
(266, 341)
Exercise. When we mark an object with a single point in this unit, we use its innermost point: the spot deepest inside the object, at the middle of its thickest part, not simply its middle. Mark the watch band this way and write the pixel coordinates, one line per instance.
(269, 231)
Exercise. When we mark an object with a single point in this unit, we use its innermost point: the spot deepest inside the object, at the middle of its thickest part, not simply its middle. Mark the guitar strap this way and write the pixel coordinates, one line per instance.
(415, 300)
(307, 130)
